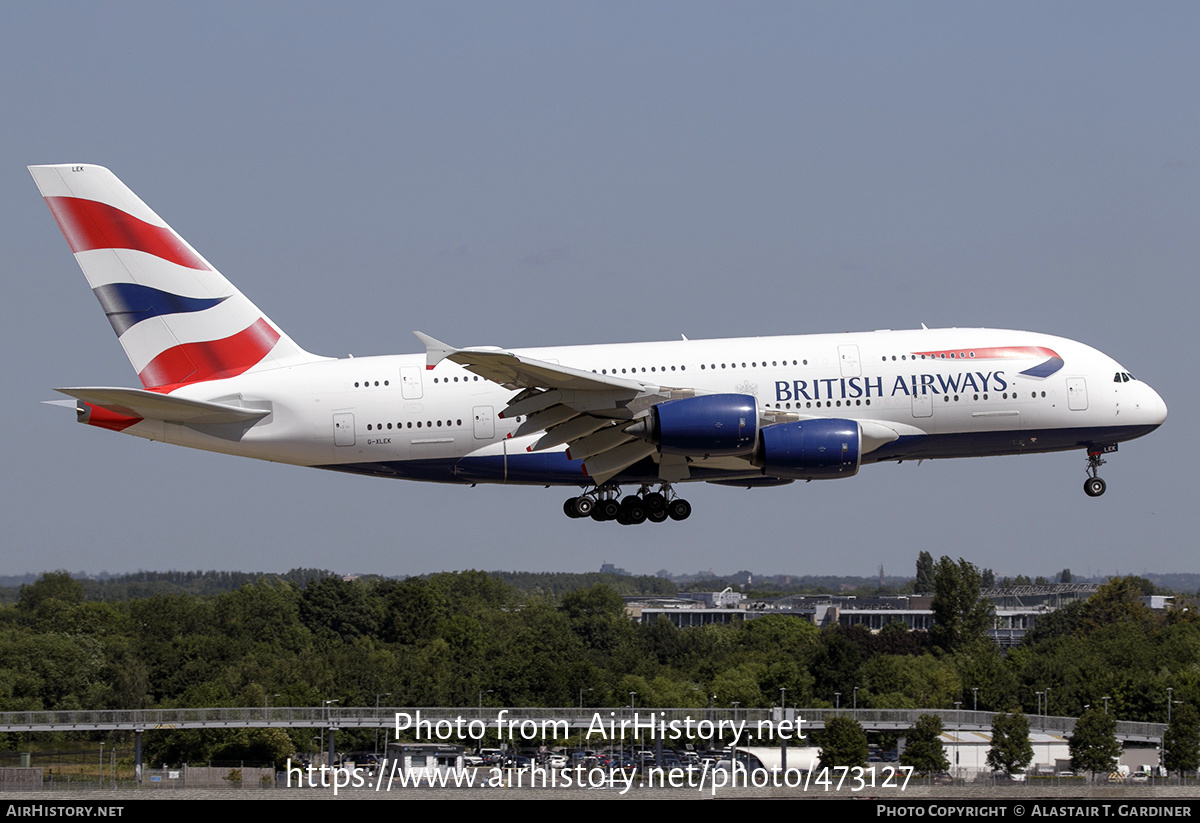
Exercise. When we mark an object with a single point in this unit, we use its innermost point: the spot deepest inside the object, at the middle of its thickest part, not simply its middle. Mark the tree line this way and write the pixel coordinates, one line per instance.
(470, 638)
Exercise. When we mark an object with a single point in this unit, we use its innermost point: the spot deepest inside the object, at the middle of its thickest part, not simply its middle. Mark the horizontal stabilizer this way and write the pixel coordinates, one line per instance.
(150, 405)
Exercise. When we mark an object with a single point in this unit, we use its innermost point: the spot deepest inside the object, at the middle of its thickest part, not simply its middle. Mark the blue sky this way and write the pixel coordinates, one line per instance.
(527, 174)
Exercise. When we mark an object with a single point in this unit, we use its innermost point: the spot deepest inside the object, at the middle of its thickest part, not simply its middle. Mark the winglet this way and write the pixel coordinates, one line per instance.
(435, 350)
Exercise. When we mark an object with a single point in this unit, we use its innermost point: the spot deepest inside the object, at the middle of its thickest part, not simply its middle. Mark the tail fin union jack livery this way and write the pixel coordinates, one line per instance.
(217, 374)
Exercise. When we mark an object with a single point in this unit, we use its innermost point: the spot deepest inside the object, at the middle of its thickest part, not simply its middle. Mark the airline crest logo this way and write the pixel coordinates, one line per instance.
(1047, 367)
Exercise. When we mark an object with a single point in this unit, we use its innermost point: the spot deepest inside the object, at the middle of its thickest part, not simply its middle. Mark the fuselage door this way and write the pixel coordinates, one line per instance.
(922, 404)
(343, 429)
(848, 355)
(1076, 394)
(410, 382)
(485, 422)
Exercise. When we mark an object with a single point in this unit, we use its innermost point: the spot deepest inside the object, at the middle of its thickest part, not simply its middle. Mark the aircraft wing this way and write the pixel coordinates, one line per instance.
(588, 412)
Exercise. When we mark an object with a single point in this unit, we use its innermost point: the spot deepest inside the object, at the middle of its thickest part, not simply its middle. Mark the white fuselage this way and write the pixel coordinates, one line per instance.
(392, 416)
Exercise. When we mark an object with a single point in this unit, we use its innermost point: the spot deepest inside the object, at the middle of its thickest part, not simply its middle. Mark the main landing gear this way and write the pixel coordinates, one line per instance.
(606, 503)
(1094, 486)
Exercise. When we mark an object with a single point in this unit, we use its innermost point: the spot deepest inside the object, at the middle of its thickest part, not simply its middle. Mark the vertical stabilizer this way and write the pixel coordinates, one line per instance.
(178, 319)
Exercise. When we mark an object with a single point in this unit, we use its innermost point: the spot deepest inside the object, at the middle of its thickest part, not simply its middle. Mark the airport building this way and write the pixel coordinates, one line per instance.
(1018, 608)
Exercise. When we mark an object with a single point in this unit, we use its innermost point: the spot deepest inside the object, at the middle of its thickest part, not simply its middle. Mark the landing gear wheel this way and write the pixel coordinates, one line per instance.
(569, 508)
(607, 509)
(659, 516)
(1094, 486)
(582, 505)
(633, 511)
(679, 509)
(655, 502)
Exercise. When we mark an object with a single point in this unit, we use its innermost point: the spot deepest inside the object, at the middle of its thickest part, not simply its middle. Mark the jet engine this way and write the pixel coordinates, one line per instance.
(823, 449)
(711, 424)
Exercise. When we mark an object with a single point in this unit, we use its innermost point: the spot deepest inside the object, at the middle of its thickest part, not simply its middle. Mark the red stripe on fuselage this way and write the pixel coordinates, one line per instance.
(210, 360)
(89, 225)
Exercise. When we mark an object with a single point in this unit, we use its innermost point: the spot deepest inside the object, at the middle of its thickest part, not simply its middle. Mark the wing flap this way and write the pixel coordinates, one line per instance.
(604, 467)
(607, 438)
(569, 432)
(544, 419)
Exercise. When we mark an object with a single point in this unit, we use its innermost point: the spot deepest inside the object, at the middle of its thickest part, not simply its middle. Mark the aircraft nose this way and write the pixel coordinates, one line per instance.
(1152, 407)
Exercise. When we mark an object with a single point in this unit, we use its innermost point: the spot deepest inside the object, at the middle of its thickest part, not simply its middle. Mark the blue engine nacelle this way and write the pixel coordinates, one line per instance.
(711, 424)
(811, 449)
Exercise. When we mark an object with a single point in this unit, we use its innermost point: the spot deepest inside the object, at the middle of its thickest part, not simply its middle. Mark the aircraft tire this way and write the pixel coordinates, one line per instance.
(659, 516)
(655, 502)
(1094, 487)
(679, 509)
(634, 510)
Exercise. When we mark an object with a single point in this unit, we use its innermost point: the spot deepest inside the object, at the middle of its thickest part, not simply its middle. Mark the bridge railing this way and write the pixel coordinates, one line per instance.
(575, 718)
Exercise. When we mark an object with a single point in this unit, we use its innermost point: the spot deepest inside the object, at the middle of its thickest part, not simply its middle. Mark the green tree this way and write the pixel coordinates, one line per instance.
(1011, 750)
(844, 743)
(1181, 743)
(1119, 600)
(923, 750)
(58, 586)
(1093, 744)
(960, 616)
(924, 581)
(332, 606)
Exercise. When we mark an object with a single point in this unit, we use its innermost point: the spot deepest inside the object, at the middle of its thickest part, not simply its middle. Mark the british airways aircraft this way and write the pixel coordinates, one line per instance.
(217, 374)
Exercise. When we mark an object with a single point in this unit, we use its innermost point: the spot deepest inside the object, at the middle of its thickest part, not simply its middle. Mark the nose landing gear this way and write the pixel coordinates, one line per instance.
(1095, 486)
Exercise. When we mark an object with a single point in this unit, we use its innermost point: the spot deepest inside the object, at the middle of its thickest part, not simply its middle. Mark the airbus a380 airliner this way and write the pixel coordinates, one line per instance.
(217, 374)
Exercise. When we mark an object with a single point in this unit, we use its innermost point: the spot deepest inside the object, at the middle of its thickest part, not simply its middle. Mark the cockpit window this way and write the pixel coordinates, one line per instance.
(1123, 377)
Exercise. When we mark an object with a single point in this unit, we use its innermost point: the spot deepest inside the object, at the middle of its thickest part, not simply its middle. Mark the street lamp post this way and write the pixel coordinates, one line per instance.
(332, 755)
(957, 735)
(384, 694)
(782, 738)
